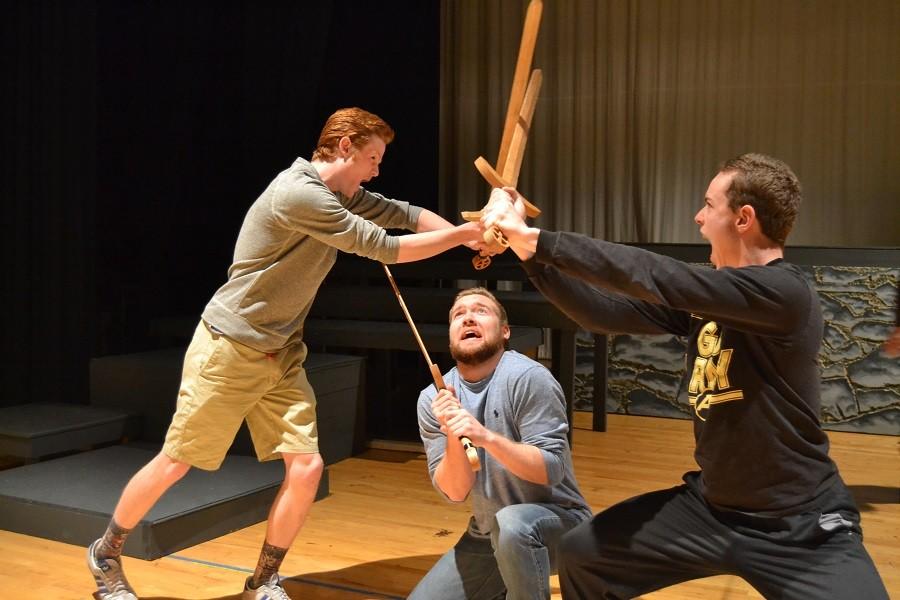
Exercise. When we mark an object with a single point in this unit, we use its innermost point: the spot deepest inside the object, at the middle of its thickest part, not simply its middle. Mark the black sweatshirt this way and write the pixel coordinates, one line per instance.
(753, 339)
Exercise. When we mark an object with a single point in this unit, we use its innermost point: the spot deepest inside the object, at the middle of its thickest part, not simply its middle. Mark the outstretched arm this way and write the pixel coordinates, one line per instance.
(359, 227)
(429, 221)
(418, 246)
(594, 309)
(767, 301)
(600, 311)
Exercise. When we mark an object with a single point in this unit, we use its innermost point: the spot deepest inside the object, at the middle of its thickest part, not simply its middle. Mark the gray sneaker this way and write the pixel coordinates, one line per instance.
(271, 590)
(111, 582)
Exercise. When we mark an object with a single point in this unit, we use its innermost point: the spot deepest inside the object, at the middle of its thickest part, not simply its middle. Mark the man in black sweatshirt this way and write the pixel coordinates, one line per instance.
(768, 503)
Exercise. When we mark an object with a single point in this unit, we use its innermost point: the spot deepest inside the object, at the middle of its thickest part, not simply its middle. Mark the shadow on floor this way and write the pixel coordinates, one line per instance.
(390, 579)
(867, 495)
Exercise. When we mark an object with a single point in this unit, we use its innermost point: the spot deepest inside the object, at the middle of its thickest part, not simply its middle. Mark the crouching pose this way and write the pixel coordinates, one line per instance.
(525, 496)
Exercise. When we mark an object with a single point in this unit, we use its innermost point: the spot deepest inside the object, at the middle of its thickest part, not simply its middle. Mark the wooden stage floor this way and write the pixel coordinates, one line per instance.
(383, 525)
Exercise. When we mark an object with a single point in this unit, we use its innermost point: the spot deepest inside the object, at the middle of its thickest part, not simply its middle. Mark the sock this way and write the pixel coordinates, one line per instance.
(111, 543)
(269, 561)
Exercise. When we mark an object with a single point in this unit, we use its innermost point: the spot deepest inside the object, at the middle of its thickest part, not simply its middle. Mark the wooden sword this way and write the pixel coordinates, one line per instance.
(471, 450)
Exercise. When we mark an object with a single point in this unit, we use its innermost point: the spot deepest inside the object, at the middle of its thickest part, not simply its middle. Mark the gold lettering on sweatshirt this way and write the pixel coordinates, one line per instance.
(710, 373)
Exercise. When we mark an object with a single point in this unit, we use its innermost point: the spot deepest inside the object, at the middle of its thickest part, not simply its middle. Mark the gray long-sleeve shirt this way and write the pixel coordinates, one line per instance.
(521, 401)
(287, 245)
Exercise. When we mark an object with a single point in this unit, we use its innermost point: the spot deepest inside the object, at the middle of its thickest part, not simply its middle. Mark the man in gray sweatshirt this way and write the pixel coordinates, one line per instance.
(245, 361)
(525, 497)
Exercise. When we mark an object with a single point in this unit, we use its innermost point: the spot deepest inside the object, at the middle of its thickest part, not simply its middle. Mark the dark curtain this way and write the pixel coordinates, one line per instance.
(49, 107)
(137, 134)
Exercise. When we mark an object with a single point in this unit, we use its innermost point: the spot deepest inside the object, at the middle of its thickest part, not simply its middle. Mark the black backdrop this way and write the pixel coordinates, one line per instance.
(136, 135)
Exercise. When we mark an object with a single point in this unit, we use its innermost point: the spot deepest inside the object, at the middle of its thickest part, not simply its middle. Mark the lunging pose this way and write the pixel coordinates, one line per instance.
(245, 361)
(768, 503)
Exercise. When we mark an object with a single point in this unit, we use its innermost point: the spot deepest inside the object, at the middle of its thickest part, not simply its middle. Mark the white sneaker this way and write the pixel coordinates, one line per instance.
(110, 578)
(271, 590)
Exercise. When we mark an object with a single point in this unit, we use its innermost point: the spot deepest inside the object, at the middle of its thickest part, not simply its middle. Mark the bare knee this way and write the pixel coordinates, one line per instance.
(303, 469)
(167, 469)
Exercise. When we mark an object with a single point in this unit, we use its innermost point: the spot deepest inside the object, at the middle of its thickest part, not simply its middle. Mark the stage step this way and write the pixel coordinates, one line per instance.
(71, 499)
(33, 431)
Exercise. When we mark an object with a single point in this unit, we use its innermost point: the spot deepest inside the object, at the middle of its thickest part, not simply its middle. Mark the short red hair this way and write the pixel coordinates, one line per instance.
(355, 123)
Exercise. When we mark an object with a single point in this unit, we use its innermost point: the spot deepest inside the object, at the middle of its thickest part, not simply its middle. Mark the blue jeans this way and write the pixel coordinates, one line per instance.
(514, 563)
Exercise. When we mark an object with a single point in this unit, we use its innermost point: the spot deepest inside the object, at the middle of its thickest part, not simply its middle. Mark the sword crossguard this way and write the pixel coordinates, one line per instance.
(523, 98)
(494, 237)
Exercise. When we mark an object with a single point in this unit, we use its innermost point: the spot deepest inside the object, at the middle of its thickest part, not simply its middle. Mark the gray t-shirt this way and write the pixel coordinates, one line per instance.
(521, 401)
(287, 245)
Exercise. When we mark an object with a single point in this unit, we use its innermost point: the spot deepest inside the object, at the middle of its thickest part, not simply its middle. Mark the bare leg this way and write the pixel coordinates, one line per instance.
(138, 497)
(288, 512)
(291, 505)
(146, 487)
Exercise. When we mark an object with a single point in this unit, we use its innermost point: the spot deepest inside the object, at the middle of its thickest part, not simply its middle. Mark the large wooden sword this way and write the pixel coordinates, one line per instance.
(520, 110)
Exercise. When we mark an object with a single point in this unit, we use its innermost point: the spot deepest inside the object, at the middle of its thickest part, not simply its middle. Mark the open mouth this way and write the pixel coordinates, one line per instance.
(470, 334)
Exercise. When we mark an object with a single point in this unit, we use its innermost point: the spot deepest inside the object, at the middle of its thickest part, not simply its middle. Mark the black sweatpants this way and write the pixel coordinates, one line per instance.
(670, 536)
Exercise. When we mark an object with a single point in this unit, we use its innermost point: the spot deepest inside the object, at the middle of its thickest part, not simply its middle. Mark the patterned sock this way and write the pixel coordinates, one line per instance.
(111, 543)
(269, 561)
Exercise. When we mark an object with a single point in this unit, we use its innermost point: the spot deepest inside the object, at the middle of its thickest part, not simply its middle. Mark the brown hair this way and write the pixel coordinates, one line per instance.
(770, 187)
(355, 123)
(480, 291)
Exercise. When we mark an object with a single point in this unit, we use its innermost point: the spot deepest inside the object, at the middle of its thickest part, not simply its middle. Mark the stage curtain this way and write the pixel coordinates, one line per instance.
(49, 173)
(641, 101)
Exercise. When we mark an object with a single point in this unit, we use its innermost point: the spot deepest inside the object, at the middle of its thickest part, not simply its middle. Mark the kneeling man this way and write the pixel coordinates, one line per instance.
(525, 497)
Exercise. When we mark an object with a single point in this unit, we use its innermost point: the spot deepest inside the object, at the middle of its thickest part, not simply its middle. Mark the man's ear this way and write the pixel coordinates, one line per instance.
(504, 330)
(746, 217)
(345, 146)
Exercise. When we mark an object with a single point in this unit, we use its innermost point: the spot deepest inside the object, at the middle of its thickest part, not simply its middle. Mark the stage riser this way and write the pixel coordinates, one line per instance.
(62, 501)
(37, 430)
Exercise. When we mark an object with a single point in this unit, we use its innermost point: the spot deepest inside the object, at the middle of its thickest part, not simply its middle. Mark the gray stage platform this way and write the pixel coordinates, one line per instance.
(71, 499)
(32, 431)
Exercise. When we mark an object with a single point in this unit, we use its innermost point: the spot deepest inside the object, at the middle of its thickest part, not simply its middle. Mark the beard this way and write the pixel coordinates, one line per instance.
(479, 354)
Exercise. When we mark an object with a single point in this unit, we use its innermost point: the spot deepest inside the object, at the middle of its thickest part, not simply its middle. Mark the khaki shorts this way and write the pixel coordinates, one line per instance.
(225, 382)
